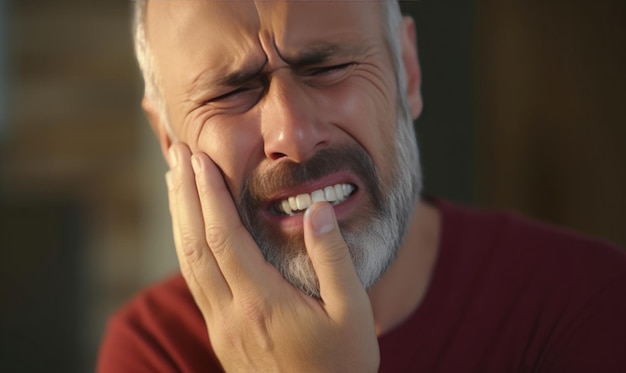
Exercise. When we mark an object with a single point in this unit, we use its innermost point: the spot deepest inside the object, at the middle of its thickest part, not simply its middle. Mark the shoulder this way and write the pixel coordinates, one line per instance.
(160, 329)
(496, 235)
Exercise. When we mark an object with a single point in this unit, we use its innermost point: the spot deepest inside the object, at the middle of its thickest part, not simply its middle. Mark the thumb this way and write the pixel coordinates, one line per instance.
(339, 283)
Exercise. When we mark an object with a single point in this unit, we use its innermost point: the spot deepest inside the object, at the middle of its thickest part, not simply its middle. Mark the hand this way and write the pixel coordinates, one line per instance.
(257, 321)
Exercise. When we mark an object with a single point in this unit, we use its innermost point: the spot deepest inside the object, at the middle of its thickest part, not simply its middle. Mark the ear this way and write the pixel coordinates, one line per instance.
(158, 126)
(412, 69)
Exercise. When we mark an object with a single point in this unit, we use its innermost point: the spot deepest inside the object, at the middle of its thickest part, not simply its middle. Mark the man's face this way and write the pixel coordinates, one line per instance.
(294, 101)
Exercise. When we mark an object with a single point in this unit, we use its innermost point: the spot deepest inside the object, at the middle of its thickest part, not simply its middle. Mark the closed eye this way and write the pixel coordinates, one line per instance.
(326, 76)
(327, 69)
(239, 100)
(233, 93)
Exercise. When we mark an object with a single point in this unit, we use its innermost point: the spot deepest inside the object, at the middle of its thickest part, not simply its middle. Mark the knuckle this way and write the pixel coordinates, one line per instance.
(217, 238)
(192, 246)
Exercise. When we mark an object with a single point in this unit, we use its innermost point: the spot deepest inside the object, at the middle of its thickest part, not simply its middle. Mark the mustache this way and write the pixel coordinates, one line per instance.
(258, 186)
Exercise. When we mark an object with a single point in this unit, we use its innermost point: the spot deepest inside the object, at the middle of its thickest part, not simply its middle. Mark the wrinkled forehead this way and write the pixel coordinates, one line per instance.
(267, 14)
(185, 32)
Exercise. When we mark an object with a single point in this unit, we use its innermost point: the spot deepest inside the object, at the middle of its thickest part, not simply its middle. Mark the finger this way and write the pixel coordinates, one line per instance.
(339, 283)
(236, 253)
(197, 263)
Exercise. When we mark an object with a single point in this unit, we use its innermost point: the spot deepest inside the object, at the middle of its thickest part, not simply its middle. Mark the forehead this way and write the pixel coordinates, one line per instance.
(223, 34)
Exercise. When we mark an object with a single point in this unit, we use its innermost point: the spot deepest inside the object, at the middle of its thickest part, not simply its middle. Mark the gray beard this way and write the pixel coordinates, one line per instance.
(373, 239)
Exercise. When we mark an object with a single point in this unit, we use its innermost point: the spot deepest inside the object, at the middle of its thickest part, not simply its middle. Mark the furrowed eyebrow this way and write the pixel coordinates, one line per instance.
(311, 56)
(317, 54)
(247, 73)
(242, 76)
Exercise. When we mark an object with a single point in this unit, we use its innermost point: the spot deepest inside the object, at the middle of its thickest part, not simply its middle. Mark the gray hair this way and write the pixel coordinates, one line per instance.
(147, 62)
(152, 79)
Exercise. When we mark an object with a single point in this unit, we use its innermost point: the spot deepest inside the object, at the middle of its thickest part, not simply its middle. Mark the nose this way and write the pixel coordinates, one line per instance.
(292, 123)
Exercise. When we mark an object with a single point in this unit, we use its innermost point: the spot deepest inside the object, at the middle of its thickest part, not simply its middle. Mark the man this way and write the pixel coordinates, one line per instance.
(303, 244)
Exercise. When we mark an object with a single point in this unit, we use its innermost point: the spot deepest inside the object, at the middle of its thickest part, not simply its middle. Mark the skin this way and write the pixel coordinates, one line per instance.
(292, 105)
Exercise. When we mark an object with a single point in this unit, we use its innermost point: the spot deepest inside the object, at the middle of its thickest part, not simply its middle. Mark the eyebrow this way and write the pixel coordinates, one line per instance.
(241, 76)
(206, 80)
(318, 54)
(311, 56)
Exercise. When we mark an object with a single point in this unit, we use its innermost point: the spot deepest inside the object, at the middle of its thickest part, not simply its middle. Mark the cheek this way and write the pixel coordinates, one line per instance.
(233, 144)
(365, 109)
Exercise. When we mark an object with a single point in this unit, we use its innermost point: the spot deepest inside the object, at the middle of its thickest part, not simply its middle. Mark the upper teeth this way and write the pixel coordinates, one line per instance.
(333, 194)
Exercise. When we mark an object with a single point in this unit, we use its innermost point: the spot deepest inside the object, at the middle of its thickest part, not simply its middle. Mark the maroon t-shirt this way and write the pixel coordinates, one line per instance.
(507, 295)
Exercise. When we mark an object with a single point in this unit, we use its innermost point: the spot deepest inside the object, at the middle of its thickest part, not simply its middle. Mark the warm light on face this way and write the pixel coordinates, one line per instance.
(303, 95)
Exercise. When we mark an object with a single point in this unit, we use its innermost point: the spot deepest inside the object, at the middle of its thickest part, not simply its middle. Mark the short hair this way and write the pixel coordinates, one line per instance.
(152, 80)
(147, 62)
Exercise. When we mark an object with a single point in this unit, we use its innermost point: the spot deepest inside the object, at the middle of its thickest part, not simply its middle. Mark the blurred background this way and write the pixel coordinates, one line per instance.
(524, 110)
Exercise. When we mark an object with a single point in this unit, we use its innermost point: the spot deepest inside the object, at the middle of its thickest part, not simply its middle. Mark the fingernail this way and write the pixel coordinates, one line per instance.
(322, 219)
(172, 158)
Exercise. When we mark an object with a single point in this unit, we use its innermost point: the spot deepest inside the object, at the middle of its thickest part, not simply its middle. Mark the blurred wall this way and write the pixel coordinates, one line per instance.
(523, 110)
(445, 130)
(3, 84)
(76, 182)
(551, 118)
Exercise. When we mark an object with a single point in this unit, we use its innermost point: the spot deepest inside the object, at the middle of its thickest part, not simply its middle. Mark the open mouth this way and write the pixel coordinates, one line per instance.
(295, 205)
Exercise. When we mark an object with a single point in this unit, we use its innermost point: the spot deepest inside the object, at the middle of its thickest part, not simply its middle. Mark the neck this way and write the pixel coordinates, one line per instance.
(401, 289)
